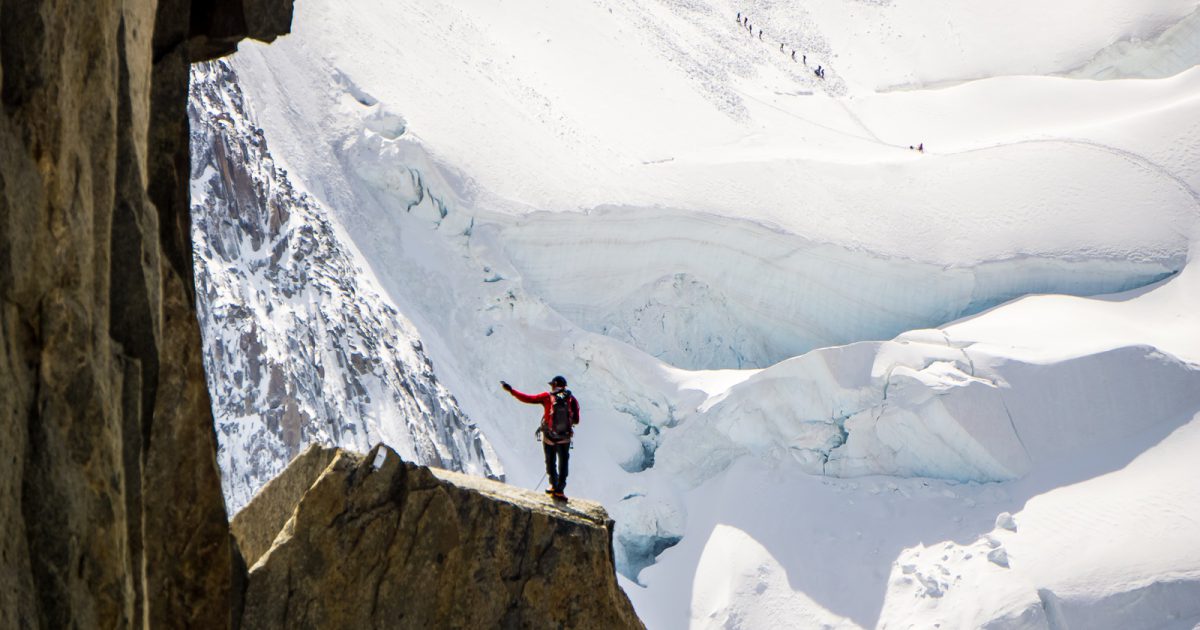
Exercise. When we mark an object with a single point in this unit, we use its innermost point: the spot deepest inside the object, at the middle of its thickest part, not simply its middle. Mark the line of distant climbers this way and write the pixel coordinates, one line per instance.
(744, 20)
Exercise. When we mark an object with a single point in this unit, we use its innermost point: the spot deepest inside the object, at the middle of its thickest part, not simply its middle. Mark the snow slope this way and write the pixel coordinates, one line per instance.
(499, 92)
(747, 275)
(1062, 390)
(1116, 551)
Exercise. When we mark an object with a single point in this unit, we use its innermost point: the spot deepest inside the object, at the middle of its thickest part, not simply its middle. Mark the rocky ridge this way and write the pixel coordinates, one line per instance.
(300, 345)
(375, 541)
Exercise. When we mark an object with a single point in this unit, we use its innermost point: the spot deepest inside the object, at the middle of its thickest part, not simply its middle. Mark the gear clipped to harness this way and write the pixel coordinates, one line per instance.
(561, 420)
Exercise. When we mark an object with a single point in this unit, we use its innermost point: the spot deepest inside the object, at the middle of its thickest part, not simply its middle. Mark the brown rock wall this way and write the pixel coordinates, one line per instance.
(255, 527)
(110, 499)
(377, 542)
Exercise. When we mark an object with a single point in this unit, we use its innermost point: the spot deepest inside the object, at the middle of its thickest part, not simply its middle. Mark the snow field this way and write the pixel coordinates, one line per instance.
(748, 588)
(925, 44)
(1115, 551)
(1087, 402)
(793, 162)
(629, 192)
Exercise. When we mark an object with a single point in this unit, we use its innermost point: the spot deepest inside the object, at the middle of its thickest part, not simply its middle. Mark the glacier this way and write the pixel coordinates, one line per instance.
(942, 433)
(811, 361)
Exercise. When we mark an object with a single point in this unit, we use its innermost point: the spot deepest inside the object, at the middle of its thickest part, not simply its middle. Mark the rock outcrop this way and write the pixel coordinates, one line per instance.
(378, 542)
(110, 500)
(257, 525)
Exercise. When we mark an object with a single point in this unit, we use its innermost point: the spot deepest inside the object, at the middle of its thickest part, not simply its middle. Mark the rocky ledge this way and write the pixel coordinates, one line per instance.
(375, 541)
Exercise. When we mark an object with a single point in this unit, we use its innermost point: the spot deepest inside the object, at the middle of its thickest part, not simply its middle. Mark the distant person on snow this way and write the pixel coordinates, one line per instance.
(560, 414)
(793, 55)
(819, 72)
(805, 59)
(760, 33)
(921, 147)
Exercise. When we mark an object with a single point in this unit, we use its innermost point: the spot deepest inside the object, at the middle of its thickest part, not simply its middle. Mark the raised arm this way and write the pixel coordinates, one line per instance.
(534, 399)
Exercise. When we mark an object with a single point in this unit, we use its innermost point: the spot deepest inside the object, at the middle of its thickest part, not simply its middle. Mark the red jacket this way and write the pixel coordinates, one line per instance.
(546, 400)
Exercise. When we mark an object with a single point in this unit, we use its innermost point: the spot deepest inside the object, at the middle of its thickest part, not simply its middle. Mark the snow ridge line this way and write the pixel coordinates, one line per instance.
(1134, 158)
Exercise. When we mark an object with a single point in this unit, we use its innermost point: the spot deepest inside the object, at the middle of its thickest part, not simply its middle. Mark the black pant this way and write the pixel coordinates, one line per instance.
(558, 477)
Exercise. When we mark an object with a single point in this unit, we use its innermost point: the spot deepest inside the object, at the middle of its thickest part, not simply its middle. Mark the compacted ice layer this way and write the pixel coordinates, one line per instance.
(1172, 51)
(703, 292)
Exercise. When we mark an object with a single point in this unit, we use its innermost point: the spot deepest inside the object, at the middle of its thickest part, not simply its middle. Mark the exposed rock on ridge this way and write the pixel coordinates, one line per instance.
(380, 542)
(255, 527)
(110, 499)
(300, 344)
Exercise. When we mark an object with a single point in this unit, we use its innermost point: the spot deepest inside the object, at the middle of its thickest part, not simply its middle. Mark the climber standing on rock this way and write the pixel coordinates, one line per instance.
(560, 414)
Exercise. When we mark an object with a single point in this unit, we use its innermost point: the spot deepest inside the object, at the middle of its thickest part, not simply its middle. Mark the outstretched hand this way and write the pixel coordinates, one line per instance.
(505, 386)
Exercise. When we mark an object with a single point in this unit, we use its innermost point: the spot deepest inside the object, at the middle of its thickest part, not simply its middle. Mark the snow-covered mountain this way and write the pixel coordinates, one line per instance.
(813, 392)
(300, 346)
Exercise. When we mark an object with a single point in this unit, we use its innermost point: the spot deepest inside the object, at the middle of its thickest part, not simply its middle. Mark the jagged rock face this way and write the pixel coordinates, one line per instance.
(378, 542)
(299, 343)
(256, 526)
(110, 499)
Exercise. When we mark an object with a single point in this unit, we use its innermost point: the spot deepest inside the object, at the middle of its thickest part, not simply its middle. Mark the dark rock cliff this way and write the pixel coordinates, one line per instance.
(110, 501)
(110, 498)
(377, 542)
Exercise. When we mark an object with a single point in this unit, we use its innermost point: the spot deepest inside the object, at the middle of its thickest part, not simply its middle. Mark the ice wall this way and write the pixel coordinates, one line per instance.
(704, 292)
(926, 405)
(1172, 51)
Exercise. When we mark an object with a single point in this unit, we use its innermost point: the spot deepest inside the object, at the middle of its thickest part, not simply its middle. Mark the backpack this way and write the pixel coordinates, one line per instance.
(560, 417)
